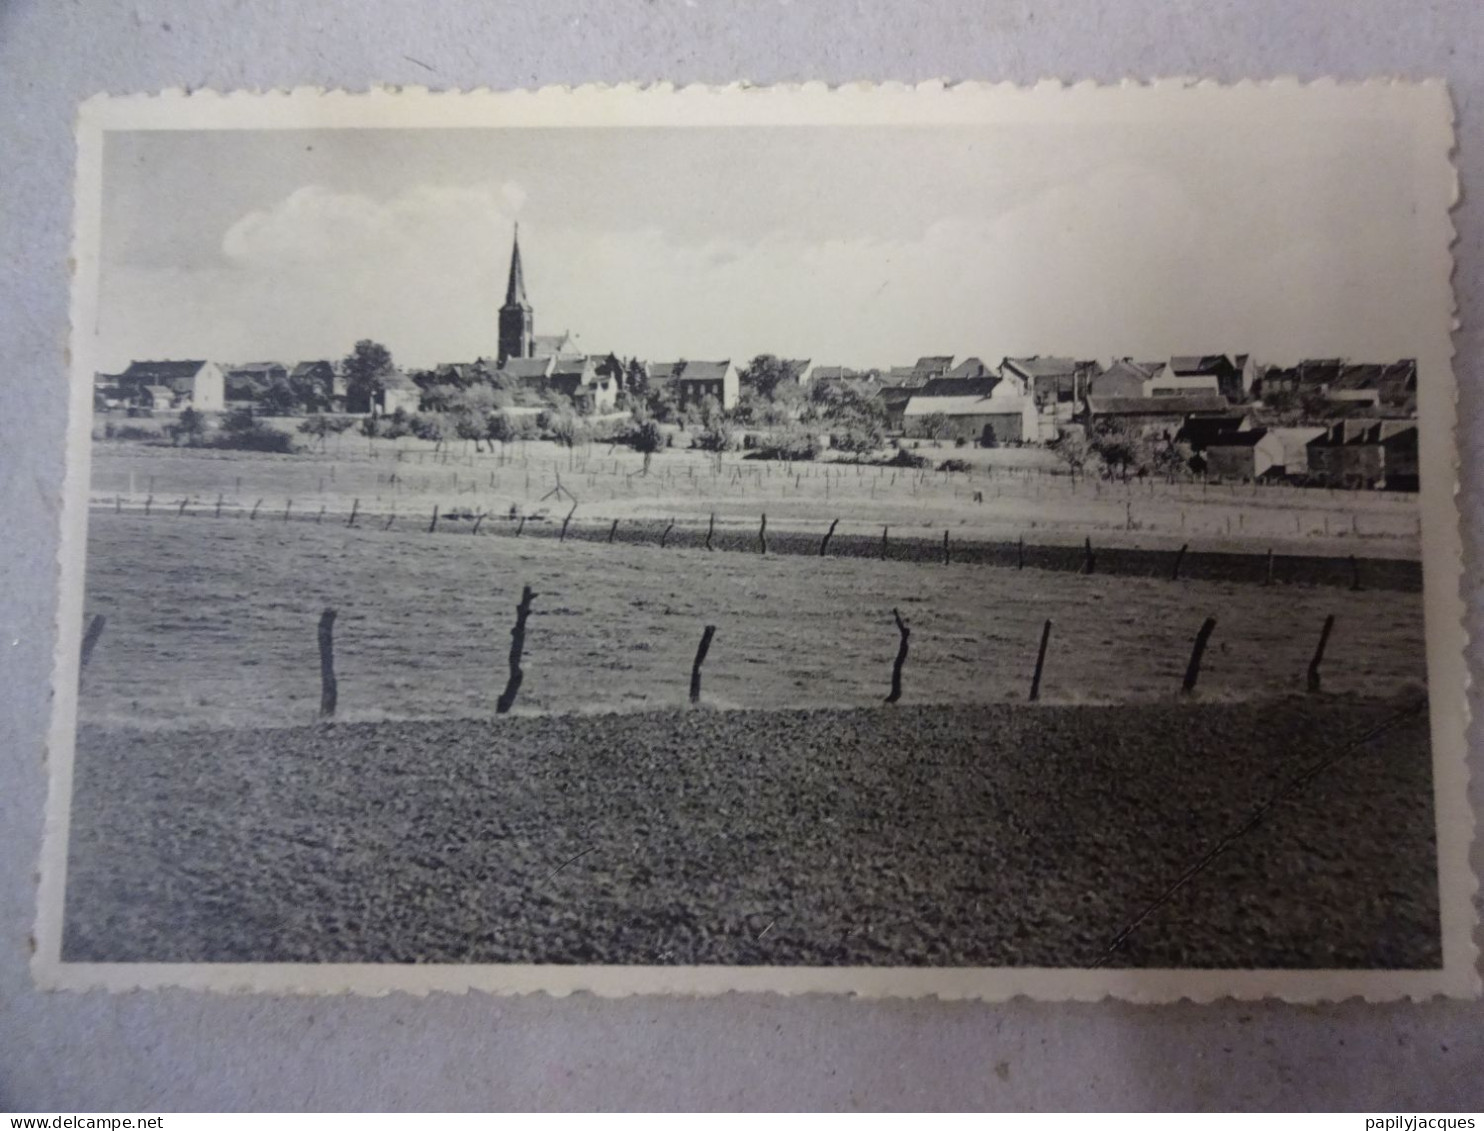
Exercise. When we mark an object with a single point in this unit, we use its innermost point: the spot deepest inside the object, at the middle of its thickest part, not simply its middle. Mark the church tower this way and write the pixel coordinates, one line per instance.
(516, 324)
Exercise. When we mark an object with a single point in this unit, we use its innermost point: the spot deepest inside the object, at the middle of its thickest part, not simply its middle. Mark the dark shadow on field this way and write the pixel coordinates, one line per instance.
(925, 835)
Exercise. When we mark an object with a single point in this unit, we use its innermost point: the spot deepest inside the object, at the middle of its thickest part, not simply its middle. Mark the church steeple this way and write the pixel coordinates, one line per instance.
(517, 338)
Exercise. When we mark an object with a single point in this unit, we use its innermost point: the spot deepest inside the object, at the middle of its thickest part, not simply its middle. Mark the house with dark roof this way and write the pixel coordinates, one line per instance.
(1157, 415)
(987, 410)
(1248, 454)
(1232, 377)
(1366, 453)
(317, 386)
(937, 365)
(1123, 379)
(249, 382)
(174, 385)
(701, 379)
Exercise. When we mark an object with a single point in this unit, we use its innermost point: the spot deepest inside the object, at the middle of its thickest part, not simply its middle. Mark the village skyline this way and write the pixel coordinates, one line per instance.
(325, 238)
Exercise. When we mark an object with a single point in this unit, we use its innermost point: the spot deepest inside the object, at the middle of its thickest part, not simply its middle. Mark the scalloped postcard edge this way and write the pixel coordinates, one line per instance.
(1425, 105)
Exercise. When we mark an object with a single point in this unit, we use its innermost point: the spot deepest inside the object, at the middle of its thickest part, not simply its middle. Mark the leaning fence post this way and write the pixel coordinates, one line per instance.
(89, 642)
(1040, 662)
(180, 513)
(328, 688)
(519, 526)
(1193, 669)
(1179, 561)
(612, 530)
(478, 522)
(1089, 559)
(566, 520)
(517, 643)
(665, 536)
(896, 667)
(710, 529)
(824, 543)
(762, 535)
(355, 507)
(255, 507)
(433, 526)
(695, 668)
(1329, 624)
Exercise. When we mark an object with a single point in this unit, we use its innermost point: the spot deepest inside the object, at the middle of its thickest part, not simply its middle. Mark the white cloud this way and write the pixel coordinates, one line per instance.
(1123, 261)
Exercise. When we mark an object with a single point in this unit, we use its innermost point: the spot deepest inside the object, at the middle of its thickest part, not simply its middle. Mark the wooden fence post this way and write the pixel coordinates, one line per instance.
(517, 644)
(433, 526)
(762, 535)
(710, 530)
(218, 505)
(519, 526)
(478, 522)
(1089, 559)
(118, 506)
(947, 556)
(355, 507)
(391, 518)
(695, 668)
(1040, 661)
(896, 668)
(665, 537)
(1267, 577)
(329, 690)
(1329, 624)
(148, 502)
(1354, 574)
(884, 530)
(1193, 669)
(180, 513)
(612, 530)
(320, 518)
(824, 543)
(1179, 561)
(89, 642)
(1020, 552)
(255, 506)
(288, 508)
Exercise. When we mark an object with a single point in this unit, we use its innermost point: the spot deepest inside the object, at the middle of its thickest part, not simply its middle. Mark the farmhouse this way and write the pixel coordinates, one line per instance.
(701, 379)
(579, 380)
(969, 368)
(1201, 431)
(928, 368)
(250, 381)
(1366, 453)
(398, 393)
(317, 386)
(1234, 377)
(986, 410)
(1052, 380)
(1124, 378)
(1248, 454)
(173, 384)
(1157, 415)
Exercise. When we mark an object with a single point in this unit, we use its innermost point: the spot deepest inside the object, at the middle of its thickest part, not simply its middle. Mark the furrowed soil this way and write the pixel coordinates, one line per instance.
(917, 835)
(212, 622)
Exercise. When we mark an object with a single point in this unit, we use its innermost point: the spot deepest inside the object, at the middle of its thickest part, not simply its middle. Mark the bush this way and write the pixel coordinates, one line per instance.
(904, 458)
(791, 446)
(507, 427)
(954, 465)
(717, 438)
(959, 441)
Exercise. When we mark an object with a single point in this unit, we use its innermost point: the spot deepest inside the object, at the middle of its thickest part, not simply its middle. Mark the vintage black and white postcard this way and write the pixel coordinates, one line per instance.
(968, 540)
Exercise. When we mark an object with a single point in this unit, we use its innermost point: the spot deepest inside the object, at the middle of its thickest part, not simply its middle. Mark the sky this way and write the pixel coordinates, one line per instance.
(865, 245)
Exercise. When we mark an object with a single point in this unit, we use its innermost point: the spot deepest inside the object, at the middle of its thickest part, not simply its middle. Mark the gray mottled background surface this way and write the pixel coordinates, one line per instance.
(175, 1050)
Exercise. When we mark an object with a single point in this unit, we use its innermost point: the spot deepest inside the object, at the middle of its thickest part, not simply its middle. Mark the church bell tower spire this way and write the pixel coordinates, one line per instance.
(517, 337)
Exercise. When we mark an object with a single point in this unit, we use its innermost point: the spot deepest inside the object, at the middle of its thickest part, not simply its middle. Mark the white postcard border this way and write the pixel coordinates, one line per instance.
(1424, 107)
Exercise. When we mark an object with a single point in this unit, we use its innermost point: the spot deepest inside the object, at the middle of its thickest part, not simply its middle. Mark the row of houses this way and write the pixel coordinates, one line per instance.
(1349, 453)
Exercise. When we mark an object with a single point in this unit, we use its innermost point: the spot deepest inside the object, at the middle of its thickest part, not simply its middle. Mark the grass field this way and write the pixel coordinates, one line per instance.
(989, 835)
(1008, 494)
(212, 622)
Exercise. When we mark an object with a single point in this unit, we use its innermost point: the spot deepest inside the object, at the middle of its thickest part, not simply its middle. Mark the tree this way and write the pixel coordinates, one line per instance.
(764, 373)
(190, 429)
(933, 426)
(323, 427)
(366, 369)
(279, 400)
